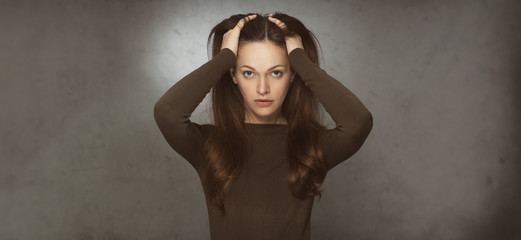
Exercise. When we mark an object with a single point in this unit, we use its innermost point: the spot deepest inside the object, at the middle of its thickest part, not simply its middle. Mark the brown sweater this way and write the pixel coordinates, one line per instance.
(259, 204)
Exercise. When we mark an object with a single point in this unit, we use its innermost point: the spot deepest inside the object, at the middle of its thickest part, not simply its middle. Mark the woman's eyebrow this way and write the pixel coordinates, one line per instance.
(279, 65)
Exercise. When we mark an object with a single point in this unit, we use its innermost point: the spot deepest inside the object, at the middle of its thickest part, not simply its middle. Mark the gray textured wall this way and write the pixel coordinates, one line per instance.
(81, 157)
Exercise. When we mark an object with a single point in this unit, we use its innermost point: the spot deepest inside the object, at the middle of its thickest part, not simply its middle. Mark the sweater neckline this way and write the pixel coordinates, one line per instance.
(266, 127)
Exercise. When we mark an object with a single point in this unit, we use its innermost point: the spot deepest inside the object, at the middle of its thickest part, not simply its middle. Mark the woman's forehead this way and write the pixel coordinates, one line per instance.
(261, 55)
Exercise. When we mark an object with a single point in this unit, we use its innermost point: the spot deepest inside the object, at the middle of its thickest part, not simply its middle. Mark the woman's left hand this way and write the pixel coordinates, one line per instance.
(292, 42)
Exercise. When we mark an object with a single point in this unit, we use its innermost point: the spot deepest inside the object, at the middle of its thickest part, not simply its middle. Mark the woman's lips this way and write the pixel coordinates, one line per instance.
(263, 102)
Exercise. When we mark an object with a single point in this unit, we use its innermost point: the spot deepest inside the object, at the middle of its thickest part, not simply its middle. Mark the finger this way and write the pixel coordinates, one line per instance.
(277, 22)
(243, 21)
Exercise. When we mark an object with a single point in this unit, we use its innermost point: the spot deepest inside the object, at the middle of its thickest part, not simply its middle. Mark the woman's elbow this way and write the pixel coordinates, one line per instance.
(160, 110)
(366, 124)
(369, 121)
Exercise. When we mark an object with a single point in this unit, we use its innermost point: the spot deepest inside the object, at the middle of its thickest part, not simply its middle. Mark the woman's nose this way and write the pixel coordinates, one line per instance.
(263, 86)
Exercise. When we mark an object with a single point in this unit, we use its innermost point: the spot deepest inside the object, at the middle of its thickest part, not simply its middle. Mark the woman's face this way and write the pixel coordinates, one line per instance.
(263, 76)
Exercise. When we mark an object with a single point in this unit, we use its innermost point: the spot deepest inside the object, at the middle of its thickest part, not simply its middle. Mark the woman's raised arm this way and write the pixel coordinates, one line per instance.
(173, 110)
(353, 120)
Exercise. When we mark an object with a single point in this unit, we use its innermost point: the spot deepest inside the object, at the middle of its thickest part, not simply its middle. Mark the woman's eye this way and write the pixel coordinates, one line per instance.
(247, 74)
(277, 73)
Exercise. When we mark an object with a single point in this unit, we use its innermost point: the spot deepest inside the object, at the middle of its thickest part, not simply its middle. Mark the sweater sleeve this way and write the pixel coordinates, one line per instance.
(173, 110)
(353, 120)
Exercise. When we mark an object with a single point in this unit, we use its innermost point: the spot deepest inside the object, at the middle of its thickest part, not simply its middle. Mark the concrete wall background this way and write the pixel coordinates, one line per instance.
(81, 157)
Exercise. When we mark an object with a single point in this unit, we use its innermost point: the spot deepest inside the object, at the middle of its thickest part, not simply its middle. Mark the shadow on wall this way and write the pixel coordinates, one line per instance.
(505, 220)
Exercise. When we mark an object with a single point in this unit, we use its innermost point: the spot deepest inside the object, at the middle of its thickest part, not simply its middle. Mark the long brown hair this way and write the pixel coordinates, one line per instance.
(228, 145)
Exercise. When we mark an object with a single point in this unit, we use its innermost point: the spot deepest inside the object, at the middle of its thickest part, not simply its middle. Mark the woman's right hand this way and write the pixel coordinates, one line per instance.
(231, 38)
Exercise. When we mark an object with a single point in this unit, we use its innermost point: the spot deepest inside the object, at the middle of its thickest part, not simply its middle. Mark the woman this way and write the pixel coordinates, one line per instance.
(265, 156)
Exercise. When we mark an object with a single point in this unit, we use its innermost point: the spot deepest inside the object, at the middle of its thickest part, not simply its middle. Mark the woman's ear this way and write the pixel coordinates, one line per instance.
(232, 73)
